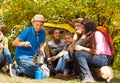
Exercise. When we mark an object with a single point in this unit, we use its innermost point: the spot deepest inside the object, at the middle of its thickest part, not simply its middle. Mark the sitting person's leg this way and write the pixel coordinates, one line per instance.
(61, 62)
(26, 66)
(99, 61)
(1, 57)
(2, 60)
(54, 63)
(83, 59)
(7, 55)
(8, 58)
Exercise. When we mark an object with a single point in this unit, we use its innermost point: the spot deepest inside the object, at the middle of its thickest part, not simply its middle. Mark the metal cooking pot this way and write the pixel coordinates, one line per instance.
(38, 59)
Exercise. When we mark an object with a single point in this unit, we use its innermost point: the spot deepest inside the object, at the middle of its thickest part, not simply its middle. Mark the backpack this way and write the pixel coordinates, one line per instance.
(108, 38)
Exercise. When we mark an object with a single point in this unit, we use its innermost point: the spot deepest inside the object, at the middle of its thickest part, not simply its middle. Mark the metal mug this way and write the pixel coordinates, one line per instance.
(39, 59)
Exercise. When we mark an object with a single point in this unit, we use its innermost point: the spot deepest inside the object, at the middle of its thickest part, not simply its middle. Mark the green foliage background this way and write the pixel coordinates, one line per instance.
(17, 15)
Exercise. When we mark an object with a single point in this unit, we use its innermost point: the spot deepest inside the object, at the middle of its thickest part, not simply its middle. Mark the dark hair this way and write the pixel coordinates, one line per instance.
(89, 25)
(52, 31)
(90, 28)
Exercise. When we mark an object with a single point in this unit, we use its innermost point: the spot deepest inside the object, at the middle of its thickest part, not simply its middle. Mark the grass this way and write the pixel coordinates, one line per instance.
(5, 78)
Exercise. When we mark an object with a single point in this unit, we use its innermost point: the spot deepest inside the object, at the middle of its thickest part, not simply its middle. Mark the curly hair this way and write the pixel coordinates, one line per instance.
(90, 28)
(52, 31)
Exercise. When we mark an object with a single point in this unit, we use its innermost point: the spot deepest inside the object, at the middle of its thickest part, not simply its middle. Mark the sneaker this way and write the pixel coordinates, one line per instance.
(12, 69)
(88, 80)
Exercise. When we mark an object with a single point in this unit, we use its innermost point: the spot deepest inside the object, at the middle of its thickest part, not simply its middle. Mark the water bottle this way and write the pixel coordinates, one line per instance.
(38, 74)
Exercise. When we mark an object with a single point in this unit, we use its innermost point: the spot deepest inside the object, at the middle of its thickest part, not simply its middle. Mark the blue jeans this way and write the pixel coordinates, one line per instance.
(28, 67)
(1, 57)
(85, 60)
(7, 55)
(2, 60)
(61, 65)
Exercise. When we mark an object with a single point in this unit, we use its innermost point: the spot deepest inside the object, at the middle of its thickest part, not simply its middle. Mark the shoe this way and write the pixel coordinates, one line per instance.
(72, 74)
(88, 80)
(12, 69)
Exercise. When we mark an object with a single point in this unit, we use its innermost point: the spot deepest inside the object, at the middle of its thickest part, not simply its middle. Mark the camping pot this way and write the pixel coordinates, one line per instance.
(38, 59)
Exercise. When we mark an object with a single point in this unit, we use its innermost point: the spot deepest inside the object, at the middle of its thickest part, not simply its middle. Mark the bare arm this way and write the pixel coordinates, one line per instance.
(18, 42)
(79, 47)
(60, 54)
(42, 49)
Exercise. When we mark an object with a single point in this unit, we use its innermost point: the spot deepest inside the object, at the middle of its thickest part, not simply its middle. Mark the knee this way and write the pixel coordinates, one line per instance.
(6, 52)
(66, 52)
(77, 54)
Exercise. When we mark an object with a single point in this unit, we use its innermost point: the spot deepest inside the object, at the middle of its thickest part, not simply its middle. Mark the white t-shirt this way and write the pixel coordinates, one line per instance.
(56, 48)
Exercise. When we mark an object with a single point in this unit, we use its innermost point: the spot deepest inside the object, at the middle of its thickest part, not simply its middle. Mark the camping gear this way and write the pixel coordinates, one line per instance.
(38, 74)
(38, 59)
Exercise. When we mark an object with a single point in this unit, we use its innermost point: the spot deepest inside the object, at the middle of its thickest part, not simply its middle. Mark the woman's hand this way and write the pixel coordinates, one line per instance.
(75, 36)
(53, 58)
(78, 47)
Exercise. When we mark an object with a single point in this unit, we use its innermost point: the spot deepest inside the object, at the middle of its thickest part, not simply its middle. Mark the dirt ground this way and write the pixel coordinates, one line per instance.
(5, 78)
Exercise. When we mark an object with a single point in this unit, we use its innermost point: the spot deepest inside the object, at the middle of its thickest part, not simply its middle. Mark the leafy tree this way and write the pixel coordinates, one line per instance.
(104, 12)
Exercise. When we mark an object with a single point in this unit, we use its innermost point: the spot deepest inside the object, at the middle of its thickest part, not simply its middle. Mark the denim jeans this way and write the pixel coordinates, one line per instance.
(7, 55)
(1, 57)
(2, 60)
(85, 60)
(61, 65)
(28, 67)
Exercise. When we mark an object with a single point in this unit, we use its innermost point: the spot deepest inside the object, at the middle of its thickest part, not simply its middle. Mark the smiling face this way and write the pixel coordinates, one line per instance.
(56, 34)
(37, 25)
(79, 28)
(68, 39)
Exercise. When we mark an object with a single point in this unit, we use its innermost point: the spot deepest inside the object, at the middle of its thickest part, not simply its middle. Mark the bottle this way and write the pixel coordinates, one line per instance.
(38, 74)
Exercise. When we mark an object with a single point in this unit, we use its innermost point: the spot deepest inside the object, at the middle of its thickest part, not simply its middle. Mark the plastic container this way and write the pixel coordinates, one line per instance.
(38, 74)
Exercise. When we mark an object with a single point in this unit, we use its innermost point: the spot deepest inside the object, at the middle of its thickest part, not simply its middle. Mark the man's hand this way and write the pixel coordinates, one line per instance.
(43, 67)
(27, 44)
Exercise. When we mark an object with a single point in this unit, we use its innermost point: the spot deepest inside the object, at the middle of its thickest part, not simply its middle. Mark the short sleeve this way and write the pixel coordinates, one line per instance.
(5, 40)
(22, 36)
